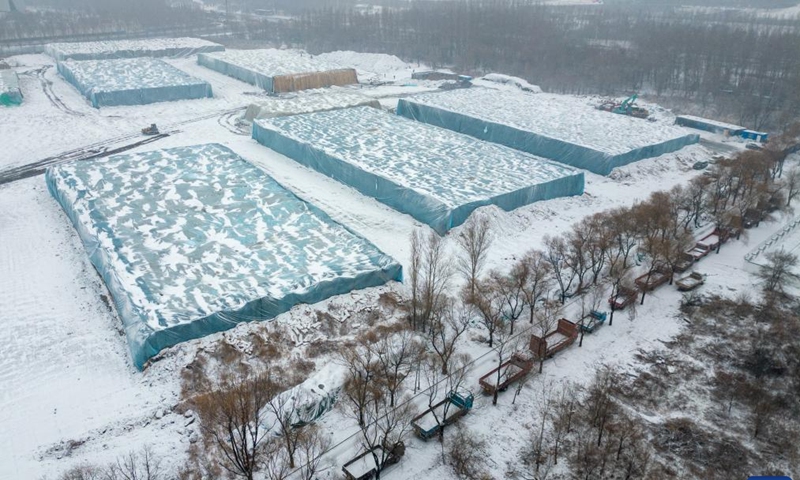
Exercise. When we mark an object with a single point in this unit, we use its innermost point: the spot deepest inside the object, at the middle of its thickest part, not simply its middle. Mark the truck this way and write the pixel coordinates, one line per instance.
(562, 337)
(690, 282)
(595, 320)
(649, 281)
(428, 424)
(365, 467)
(623, 298)
(519, 365)
(705, 245)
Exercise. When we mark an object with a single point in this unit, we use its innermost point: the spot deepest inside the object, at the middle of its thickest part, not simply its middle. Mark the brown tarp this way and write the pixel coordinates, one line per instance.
(305, 81)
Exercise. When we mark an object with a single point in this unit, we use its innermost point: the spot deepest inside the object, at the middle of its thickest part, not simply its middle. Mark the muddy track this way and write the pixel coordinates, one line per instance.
(99, 149)
(38, 168)
(47, 88)
(230, 122)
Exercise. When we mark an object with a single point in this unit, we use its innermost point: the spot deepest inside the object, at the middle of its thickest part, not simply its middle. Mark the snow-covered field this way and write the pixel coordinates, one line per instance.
(69, 392)
(158, 47)
(436, 175)
(132, 81)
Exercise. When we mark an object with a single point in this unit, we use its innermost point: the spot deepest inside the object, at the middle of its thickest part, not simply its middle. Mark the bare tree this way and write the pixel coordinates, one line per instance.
(506, 345)
(475, 239)
(545, 321)
(556, 254)
(362, 368)
(445, 333)
(778, 271)
(231, 419)
(396, 355)
(282, 412)
(441, 385)
(435, 275)
(313, 443)
(386, 428)
(489, 302)
(532, 272)
(510, 289)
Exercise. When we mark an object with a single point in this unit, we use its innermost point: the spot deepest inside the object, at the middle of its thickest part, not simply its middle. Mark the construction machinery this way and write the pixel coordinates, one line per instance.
(151, 130)
(626, 107)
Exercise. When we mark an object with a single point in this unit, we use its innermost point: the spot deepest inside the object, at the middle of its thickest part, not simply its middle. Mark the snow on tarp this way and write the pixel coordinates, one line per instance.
(560, 127)
(278, 70)
(133, 81)
(707, 124)
(514, 81)
(10, 93)
(307, 102)
(153, 47)
(193, 240)
(437, 176)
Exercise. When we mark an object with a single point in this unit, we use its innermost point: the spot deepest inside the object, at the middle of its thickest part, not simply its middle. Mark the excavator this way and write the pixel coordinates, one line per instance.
(625, 108)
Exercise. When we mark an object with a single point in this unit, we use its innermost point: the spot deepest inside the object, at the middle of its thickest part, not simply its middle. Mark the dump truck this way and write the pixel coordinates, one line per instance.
(519, 365)
(690, 282)
(364, 466)
(428, 424)
(650, 281)
(705, 245)
(562, 337)
(624, 298)
(595, 320)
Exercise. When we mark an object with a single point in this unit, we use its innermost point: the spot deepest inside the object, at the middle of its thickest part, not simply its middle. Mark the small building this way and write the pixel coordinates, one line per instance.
(753, 135)
(708, 125)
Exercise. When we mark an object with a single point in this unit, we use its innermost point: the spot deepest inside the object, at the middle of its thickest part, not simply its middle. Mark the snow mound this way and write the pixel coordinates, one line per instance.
(514, 81)
(376, 63)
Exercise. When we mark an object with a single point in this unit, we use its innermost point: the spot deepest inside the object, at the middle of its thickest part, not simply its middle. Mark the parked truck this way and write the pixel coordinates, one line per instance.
(428, 424)
(365, 467)
(625, 296)
(705, 245)
(650, 281)
(562, 337)
(593, 321)
(519, 365)
(690, 282)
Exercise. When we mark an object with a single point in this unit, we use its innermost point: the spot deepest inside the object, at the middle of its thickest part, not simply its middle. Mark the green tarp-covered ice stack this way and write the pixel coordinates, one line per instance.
(435, 175)
(10, 93)
(193, 240)
(563, 128)
(134, 81)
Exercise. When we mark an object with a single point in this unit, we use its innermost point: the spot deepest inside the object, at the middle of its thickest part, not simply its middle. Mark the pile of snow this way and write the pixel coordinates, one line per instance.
(153, 47)
(366, 63)
(515, 81)
(307, 102)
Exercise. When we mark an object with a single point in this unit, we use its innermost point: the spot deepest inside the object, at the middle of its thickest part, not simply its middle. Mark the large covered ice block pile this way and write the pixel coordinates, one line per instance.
(435, 175)
(308, 102)
(193, 240)
(133, 81)
(151, 47)
(564, 128)
(10, 93)
(278, 71)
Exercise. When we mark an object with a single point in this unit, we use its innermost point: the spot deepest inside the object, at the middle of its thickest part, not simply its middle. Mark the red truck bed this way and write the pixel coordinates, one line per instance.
(565, 334)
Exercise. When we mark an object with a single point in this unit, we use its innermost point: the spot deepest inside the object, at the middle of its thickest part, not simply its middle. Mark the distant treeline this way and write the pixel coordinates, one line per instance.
(734, 65)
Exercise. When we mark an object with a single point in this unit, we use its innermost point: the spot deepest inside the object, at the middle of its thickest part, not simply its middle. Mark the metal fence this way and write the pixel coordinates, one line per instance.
(772, 241)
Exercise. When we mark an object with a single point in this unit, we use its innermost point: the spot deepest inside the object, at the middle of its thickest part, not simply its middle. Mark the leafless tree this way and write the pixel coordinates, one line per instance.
(396, 356)
(441, 385)
(362, 370)
(532, 272)
(489, 302)
(231, 419)
(778, 271)
(447, 329)
(431, 280)
(506, 345)
(556, 254)
(475, 239)
(385, 429)
(510, 288)
(313, 443)
(545, 321)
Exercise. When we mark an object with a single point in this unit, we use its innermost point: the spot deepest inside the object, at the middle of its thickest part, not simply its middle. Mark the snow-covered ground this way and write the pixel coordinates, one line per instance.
(68, 390)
